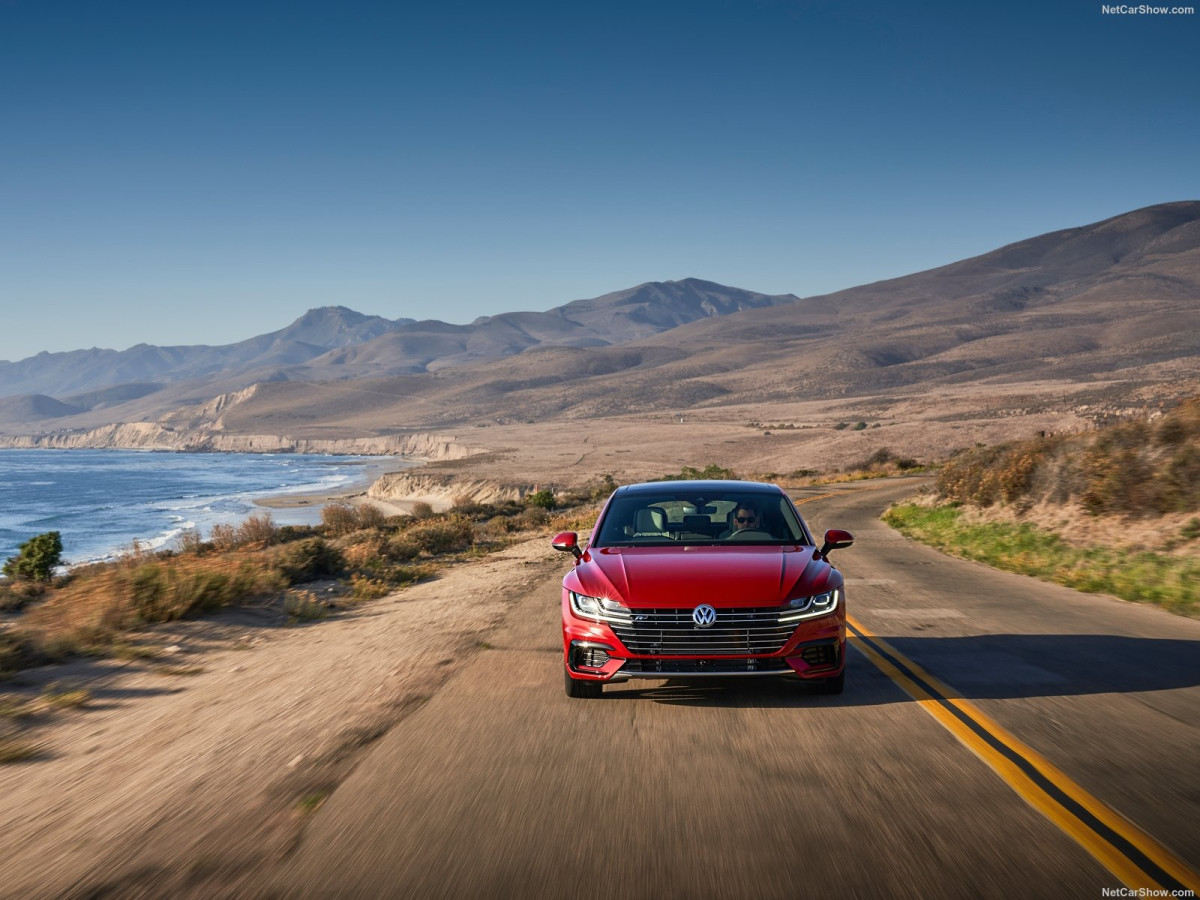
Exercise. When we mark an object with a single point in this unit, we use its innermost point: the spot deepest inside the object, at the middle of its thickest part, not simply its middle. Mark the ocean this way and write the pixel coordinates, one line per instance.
(102, 501)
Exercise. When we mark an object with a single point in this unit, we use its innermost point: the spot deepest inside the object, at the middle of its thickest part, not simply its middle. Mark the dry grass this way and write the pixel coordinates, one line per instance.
(1139, 468)
(303, 606)
(89, 612)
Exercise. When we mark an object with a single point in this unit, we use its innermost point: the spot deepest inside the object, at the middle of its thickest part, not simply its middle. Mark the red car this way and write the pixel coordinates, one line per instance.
(688, 579)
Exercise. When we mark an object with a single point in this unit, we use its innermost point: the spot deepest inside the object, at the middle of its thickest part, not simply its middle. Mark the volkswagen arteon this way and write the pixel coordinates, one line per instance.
(693, 579)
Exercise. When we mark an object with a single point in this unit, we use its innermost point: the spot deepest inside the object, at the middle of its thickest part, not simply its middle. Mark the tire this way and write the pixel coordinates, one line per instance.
(834, 685)
(581, 689)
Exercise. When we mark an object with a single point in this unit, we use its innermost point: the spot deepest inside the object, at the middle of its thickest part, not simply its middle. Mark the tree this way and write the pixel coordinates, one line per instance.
(38, 557)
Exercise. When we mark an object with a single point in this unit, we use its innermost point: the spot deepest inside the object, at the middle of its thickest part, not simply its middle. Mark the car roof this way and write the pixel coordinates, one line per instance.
(702, 487)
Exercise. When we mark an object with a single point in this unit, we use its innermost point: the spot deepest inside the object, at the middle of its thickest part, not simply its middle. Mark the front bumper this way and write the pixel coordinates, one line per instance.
(815, 650)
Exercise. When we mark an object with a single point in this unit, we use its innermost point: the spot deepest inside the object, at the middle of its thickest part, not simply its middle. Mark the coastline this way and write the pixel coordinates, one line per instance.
(355, 492)
(107, 502)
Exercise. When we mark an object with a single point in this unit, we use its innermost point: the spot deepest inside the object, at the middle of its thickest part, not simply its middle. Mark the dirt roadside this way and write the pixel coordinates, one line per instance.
(181, 777)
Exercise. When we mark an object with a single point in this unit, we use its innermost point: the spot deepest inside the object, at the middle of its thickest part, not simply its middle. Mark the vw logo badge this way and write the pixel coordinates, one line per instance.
(704, 616)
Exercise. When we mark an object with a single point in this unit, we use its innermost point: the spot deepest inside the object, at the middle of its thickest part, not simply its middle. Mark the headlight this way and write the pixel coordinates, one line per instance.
(583, 605)
(808, 607)
(598, 608)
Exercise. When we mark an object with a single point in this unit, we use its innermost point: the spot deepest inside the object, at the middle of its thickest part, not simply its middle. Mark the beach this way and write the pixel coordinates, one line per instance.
(355, 492)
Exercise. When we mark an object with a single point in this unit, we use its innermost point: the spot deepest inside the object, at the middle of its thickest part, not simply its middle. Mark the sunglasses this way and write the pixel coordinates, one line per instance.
(742, 520)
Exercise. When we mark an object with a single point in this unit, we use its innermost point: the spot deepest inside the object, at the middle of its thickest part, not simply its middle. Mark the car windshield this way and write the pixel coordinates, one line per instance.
(672, 517)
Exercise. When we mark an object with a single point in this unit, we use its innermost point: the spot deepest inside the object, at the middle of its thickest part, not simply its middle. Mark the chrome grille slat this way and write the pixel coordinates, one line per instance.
(737, 632)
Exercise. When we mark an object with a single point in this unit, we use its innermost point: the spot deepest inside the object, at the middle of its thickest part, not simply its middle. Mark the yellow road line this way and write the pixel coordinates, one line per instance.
(1119, 845)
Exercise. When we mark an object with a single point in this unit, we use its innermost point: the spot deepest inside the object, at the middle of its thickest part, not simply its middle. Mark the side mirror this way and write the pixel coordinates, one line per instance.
(836, 539)
(568, 542)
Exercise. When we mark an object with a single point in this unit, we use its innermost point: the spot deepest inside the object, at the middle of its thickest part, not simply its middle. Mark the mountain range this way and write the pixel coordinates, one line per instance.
(334, 343)
(1109, 307)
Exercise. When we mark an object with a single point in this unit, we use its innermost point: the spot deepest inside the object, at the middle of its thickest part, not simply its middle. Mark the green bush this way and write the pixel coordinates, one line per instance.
(401, 548)
(543, 498)
(38, 557)
(288, 533)
(308, 560)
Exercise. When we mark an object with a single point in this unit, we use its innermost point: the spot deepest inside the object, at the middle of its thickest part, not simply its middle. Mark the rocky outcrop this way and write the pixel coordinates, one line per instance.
(153, 436)
(441, 491)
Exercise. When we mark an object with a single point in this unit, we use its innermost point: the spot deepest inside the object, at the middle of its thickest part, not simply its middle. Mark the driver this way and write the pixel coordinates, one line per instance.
(745, 517)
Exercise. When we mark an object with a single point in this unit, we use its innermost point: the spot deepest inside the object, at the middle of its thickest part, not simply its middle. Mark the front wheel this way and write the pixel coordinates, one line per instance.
(583, 689)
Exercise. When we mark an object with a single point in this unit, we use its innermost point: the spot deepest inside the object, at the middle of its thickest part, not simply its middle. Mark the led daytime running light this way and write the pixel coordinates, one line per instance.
(810, 607)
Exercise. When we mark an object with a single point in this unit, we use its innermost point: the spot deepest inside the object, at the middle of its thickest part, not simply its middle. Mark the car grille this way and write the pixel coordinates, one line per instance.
(736, 632)
(671, 666)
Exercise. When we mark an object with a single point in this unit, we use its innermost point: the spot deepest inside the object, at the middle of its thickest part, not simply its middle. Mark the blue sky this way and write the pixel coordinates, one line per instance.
(177, 173)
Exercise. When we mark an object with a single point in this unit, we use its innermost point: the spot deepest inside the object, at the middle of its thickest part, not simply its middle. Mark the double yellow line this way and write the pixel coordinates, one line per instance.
(1119, 845)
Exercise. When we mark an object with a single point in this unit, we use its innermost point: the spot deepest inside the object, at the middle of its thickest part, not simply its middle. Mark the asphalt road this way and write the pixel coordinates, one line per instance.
(503, 786)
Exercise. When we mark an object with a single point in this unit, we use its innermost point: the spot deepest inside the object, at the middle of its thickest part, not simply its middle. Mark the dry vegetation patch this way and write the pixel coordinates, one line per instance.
(367, 553)
(1112, 511)
(1138, 468)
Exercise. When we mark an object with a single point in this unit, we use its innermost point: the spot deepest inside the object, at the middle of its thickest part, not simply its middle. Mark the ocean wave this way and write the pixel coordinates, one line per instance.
(103, 501)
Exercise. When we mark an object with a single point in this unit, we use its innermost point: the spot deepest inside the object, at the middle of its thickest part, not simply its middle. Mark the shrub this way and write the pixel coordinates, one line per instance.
(543, 498)
(15, 595)
(364, 588)
(37, 559)
(257, 529)
(422, 510)
(711, 472)
(308, 560)
(190, 541)
(304, 607)
(339, 519)
(370, 516)
(224, 536)
(401, 547)
(18, 652)
(287, 533)
(446, 535)
(162, 591)
(532, 518)
(605, 487)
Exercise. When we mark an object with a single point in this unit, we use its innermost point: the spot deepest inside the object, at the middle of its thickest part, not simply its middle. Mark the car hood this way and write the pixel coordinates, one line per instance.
(721, 576)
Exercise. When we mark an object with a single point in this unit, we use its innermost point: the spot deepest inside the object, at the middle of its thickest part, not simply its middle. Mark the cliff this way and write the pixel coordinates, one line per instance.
(152, 436)
(441, 491)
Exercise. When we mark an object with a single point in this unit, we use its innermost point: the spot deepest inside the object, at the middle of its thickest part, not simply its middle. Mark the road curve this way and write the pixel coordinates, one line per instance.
(503, 786)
